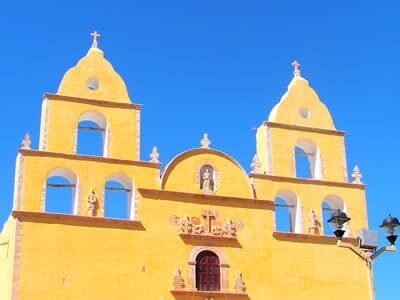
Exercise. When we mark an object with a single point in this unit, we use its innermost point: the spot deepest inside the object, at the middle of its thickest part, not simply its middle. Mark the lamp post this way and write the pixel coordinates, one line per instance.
(339, 218)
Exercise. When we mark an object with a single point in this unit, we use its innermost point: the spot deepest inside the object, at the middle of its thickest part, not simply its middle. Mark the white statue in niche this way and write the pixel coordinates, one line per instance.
(207, 179)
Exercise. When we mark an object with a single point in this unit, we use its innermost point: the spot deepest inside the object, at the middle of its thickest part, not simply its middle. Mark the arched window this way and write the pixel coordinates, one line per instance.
(60, 192)
(307, 159)
(207, 179)
(287, 212)
(208, 272)
(329, 205)
(92, 136)
(119, 200)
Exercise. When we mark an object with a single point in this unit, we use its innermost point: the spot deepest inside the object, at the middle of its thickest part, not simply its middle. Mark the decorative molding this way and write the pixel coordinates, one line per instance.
(89, 158)
(192, 267)
(105, 103)
(43, 217)
(311, 238)
(19, 181)
(17, 259)
(210, 228)
(43, 141)
(203, 198)
(138, 124)
(304, 128)
(308, 181)
(209, 295)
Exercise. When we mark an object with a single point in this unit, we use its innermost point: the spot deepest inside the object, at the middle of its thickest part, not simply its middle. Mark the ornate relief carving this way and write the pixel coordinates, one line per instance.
(207, 225)
(178, 282)
(240, 286)
(313, 223)
(356, 175)
(26, 142)
(92, 204)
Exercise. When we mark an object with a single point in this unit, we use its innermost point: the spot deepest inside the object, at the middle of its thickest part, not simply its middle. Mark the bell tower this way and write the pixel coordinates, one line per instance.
(301, 125)
(91, 91)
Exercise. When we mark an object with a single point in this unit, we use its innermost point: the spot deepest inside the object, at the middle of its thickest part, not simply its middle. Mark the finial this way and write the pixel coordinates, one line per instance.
(255, 165)
(178, 282)
(95, 36)
(296, 65)
(240, 286)
(26, 142)
(356, 175)
(154, 155)
(205, 142)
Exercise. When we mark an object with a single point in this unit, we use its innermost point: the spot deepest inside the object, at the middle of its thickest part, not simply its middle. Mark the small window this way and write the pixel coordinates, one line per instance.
(92, 84)
(207, 272)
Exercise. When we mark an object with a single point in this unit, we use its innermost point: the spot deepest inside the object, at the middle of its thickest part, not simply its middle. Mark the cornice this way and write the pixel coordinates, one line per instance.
(105, 103)
(308, 181)
(45, 217)
(311, 238)
(29, 152)
(203, 198)
(304, 128)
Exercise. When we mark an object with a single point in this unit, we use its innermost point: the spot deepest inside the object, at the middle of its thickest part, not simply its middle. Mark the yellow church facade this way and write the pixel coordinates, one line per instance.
(201, 227)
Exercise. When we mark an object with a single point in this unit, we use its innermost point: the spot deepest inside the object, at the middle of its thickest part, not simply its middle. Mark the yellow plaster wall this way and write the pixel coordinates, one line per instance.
(7, 247)
(283, 142)
(182, 174)
(63, 118)
(107, 263)
(91, 175)
(94, 66)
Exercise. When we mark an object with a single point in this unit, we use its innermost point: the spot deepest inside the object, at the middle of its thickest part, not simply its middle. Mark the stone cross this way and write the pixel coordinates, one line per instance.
(205, 142)
(296, 66)
(26, 142)
(154, 155)
(356, 175)
(208, 215)
(95, 36)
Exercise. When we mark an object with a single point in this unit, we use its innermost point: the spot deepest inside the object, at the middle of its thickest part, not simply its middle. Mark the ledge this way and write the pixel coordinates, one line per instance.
(29, 152)
(106, 103)
(207, 237)
(308, 181)
(214, 294)
(44, 217)
(304, 128)
(311, 238)
(209, 199)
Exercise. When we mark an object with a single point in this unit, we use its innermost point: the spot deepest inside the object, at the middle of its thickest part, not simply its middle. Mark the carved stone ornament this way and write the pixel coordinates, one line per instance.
(356, 175)
(255, 165)
(207, 225)
(205, 142)
(178, 282)
(240, 286)
(92, 204)
(154, 155)
(26, 142)
(313, 223)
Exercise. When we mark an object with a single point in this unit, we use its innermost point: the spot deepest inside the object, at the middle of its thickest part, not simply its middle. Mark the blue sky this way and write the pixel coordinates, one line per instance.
(218, 67)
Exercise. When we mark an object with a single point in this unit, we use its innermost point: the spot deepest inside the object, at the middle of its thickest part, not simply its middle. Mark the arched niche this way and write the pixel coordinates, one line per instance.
(307, 160)
(92, 136)
(60, 192)
(119, 197)
(288, 213)
(330, 204)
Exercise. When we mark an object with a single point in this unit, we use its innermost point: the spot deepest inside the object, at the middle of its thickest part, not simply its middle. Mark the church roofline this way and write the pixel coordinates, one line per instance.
(92, 101)
(308, 181)
(304, 128)
(141, 163)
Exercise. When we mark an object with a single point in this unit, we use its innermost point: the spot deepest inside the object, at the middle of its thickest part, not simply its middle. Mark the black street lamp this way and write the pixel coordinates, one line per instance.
(338, 219)
(390, 223)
